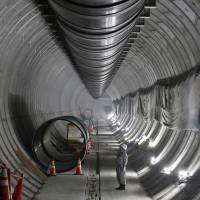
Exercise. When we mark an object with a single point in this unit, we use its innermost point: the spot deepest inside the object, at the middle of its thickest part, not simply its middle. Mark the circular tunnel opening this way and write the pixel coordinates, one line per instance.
(62, 139)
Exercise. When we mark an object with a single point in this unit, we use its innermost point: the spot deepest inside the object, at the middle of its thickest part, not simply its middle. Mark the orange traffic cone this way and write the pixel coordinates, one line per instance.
(52, 168)
(79, 168)
(4, 185)
(17, 194)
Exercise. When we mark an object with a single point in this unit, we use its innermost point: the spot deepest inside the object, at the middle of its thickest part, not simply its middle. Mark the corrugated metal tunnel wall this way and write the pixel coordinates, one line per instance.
(38, 83)
(99, 35)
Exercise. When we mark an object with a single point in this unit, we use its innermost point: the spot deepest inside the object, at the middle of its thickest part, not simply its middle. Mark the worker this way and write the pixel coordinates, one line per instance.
(121, 162)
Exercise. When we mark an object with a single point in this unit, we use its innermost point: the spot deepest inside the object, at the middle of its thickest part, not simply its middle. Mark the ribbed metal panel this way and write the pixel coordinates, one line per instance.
(97, 33)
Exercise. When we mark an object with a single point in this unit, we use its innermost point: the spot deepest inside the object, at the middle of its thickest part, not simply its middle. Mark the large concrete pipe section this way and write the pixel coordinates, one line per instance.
(52, 141)
(97, 34)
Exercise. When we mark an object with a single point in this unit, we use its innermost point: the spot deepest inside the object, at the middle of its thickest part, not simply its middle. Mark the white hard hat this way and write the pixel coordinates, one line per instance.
(124, 146)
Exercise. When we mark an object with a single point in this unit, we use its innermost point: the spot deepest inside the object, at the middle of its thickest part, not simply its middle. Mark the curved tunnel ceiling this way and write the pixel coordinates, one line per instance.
(99, 35)
(39, 83)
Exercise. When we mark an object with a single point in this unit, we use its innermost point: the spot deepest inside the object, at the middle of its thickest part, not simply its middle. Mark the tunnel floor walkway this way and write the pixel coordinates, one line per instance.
(62, 187)
(68, 186)
(108, 182)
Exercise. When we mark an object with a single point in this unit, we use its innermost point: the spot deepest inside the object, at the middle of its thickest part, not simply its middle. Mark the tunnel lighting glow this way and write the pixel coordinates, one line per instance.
(153, 160)
(118, 123)
(114, 117)
(111, 115)
(183, 175)
(152, 144)
(141, 140)
(125, 134)
(137, 140)
(167, 170)
(126, 129)
(131, 140)
(126, 138)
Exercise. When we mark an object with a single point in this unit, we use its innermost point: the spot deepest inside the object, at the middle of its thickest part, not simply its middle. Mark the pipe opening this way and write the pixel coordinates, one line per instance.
(62, 139)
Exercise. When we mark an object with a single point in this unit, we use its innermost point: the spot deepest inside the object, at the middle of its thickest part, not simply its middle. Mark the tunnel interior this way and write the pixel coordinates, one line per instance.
(138, 72)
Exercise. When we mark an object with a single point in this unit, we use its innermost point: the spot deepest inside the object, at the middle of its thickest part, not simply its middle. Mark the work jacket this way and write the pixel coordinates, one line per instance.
(122, 160)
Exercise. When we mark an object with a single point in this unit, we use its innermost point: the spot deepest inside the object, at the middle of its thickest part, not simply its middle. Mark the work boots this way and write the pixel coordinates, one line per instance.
(121, 187)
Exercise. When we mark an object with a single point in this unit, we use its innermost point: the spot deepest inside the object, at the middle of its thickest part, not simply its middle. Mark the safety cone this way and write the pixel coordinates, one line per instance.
(17, 194)
(53, 168)
(89, 146)
(79, 168)
(4, 185)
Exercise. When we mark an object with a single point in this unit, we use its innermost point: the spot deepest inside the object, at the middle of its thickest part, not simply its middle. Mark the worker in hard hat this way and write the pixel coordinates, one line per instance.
(121, 163)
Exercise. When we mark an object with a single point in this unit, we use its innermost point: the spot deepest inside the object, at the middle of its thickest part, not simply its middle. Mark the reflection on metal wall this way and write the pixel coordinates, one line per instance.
(173, 102)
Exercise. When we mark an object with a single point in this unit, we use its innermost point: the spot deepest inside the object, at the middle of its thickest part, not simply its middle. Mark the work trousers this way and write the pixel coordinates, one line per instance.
(121, 176)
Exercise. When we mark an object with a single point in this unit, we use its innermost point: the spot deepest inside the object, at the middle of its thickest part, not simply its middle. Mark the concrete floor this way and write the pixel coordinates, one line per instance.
(63, 187)
(109, 182)
(68, 186)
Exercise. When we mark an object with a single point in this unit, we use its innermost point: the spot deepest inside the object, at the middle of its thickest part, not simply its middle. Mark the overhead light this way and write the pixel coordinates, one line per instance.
(118, 123)
(117, 129)
(167, 170)
(142, 139)
(130, 140)
(137, 140)
(125, 138)
(153, 160)
(183, 175)
(126, 129)
(126, 134)
(152, 144)
(111, 115)
(114, 118)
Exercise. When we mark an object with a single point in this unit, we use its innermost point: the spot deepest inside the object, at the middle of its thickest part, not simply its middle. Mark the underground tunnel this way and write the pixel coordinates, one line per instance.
(114, 73)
